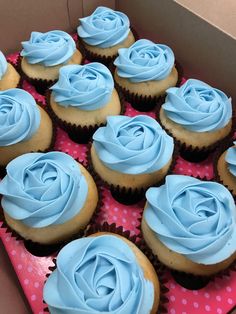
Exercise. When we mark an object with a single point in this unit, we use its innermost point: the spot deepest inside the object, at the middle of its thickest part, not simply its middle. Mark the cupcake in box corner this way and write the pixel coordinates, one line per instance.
(102, 273)
(24, 126)
(198, 116)
(9, 77)
(47, 197)
(225, 168)
(144, 72)
(82, 99)
(44, 54)
(191, 226)
(131, 154)
(103, 33)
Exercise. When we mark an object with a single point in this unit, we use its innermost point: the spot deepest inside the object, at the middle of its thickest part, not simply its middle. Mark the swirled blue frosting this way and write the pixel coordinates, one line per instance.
(230, 158)
(50, 48)
(104, 28)
(197, 106)
(145, 61)
(19, 116)
(43, 189)
(98, 275)
(194, 218)
(87, 87)
(3, 65)
(133, 145)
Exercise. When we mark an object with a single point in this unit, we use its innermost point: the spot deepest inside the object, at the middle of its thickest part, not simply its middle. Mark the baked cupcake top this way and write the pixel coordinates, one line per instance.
(230, 158)
(133, 145)
(104, 28)
(42, 189)
(144, 61)
(197, 106)
(3, 65)
(88, 87)
(98, 275)
(19, 116)
(194, 218)
(49, 49)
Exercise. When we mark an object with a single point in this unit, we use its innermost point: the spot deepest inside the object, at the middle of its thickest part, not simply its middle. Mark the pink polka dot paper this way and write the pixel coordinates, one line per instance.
(218, 297)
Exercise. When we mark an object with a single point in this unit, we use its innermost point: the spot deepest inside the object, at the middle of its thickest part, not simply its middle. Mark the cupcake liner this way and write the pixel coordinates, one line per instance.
(77, 133)
(112, 228)
(39, 249)
(219, 151)
(145, 103)
(197, 154)
(94, 57)
(189, 281)
(130, 196)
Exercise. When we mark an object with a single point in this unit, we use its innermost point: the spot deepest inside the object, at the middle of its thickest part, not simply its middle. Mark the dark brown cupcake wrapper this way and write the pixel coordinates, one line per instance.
(94, 57)
(129, 196)
(39, 249)
(77, 133)
(145, 103)
(112, 228)
(218, 152)
(197, 154)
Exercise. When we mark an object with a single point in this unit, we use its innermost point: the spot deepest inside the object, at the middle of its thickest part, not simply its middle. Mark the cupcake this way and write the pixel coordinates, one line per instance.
(47, 197)
(82, 99)
(191, 226)
(226, 168)
(198, 116)
(24, 126)
(102, 273)
(44, 54)
(103, 33)
(131, 154)
(9, 77)
(144, 72)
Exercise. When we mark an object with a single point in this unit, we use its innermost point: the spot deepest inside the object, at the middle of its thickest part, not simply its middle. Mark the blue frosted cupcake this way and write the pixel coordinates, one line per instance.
(131, 154)
(198, 116)
(102, 273)
(83, 98)
(191, 226)
(144, 72)
(9, 77)
(103, 33)
(44, 54)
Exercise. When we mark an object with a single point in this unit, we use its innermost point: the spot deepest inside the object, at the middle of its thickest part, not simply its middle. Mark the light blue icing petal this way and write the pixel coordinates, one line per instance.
(230, 158)
(50, 48)
(133, 145)
(104, 28)
(145, 61)
(43, 189)
(98, 275)
(87, 87)
(198, 107)
(19, 116)
(3, 65)
(194, 218)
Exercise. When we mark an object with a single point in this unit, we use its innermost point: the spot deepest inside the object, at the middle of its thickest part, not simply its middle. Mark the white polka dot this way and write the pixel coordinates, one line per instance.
(124, 220)
(133, 223)
(33, 297)
(184, 313)
(134, 214)
(172, 298)
(30, 269)
(26, 281)
(218, 298)
(219, 311)
(181, 169)
(19, 266)
(13, 252)
(183, 289)
(207, 295)
(125, 211)
(230, 301)
(36, 284)
(195, 292)
(7, 239)
(184, 301)
(116, 209)
(114, 218)
(189, 170)
(172, 285)
(195, 304)
(228, 288)
(41, 313)
(22, 255)
(208, 308)
(172, 311)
